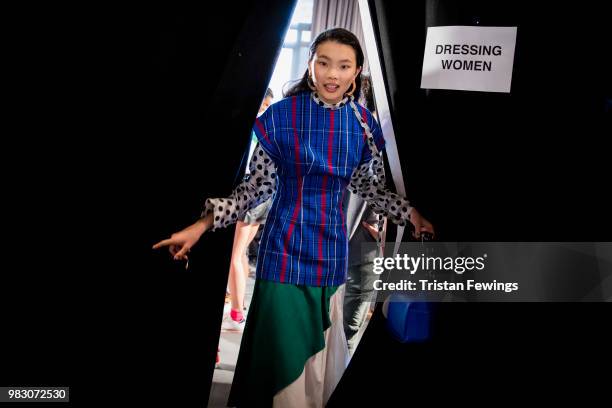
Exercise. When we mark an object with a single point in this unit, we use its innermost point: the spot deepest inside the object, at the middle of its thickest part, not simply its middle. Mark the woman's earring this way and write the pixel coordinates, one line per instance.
(353, 88)
(310, 83)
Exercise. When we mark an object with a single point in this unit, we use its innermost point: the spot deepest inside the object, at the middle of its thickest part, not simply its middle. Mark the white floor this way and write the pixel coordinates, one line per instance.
(229, 343)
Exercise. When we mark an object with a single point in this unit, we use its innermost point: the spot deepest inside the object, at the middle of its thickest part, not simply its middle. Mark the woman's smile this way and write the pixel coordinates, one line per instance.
(332, 88)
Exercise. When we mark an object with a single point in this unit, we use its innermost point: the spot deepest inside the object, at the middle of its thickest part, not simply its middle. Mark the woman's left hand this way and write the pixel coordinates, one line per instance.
(420, 224)
(371, 229)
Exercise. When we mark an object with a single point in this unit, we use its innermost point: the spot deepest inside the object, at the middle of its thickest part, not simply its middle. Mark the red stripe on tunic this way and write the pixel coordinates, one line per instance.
(298, 203)
(364, 116)
(323, 195)
(342, 213)
(262, 130)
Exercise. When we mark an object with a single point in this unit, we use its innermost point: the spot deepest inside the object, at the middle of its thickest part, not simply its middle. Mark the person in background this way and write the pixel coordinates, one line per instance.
(245, 231)
(362, 227)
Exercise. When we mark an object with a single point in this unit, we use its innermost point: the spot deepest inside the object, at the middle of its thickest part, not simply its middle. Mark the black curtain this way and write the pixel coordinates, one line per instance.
(152, 109)
(525, 166)
(505, 167)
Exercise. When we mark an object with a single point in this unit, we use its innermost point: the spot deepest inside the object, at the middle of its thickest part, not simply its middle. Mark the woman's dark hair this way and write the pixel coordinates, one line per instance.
(339, 35)
(269, 94)
(367, 94)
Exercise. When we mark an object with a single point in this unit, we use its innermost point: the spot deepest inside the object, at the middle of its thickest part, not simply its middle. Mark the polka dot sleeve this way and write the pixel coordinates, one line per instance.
(368, 180)
(257, 187)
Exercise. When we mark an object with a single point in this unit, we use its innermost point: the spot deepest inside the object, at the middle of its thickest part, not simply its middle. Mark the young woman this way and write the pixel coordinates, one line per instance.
(246, 228)
(314, 145)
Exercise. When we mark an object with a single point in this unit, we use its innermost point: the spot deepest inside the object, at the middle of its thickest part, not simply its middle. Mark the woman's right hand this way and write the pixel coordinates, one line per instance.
(180, 243)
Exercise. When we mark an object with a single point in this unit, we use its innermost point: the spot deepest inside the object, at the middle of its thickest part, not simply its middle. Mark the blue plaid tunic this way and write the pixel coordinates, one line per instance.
(309, 152)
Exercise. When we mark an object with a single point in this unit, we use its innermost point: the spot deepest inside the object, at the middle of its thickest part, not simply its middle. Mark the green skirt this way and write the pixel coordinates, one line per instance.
(285, 327)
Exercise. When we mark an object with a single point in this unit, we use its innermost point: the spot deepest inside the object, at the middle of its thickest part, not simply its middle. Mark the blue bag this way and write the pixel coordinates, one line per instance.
(407, 321)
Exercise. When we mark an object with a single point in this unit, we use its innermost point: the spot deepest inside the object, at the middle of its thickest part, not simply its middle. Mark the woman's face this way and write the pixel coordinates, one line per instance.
(333, 69)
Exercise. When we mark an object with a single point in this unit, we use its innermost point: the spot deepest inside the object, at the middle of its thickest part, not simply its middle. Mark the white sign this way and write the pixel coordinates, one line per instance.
(469, 58)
